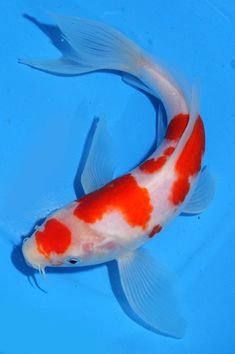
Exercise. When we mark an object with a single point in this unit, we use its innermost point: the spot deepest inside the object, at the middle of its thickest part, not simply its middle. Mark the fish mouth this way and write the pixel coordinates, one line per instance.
(32, 258)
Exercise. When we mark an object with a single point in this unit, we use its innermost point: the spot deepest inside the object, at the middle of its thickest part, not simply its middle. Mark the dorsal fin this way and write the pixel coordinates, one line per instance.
(193, 115)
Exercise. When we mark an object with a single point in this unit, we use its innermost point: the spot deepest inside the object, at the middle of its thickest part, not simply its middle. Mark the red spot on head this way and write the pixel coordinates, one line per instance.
(179, 190)
(177, 127)
(157, 228)
(153, 165)
(123, 195)
(169, 151)
(55, 237)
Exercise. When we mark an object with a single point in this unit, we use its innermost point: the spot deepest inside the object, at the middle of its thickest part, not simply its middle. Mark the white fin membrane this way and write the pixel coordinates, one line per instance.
(63, 65)
(95, 47)
(202, 194)
(150, 292)
(101, 160)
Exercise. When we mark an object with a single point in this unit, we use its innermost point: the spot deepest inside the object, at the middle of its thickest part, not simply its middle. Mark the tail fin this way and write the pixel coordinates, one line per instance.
(95, 47)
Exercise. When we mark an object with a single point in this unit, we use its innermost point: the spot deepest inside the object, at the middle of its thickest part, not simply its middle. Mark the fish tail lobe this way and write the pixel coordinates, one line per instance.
(94, 46)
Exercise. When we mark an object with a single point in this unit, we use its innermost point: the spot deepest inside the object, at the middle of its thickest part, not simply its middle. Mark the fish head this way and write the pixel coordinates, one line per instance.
(65, 241)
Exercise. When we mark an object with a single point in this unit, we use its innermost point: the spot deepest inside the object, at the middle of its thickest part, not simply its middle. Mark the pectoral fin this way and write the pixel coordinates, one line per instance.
(150, 292)
(202, 195)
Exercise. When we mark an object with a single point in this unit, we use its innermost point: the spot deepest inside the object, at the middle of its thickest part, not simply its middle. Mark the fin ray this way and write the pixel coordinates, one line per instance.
(63, 65)
(101, 160)
(202, 195)
(150, 293)
(94, 46)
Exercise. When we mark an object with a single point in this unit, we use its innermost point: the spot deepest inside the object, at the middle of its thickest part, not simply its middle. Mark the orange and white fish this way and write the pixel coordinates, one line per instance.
(112, 221)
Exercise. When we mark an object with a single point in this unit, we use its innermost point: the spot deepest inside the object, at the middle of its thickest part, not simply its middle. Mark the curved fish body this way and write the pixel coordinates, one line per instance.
(113, 221)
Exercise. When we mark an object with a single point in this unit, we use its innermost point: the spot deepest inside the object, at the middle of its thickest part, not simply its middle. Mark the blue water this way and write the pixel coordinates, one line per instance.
(44, 122)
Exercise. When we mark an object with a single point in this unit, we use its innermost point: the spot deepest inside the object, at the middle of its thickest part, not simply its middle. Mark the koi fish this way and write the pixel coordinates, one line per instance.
(115, 218)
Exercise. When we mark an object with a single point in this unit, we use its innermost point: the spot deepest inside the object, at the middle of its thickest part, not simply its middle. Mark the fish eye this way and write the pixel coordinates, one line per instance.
(25, 239)
(73, 260)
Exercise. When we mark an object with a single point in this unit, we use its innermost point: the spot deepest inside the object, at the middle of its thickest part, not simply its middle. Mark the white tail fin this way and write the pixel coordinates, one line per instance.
(95, 47)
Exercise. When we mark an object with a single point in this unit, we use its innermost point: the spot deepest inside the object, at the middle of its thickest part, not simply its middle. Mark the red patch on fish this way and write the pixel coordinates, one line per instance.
(153, 165)
(189, 161)
(123, 195)
(157, 228)
(56, 237)
(179, 190)
(169, 151)
(177, 126)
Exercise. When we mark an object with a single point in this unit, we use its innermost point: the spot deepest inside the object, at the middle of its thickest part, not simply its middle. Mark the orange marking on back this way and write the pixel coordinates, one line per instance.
(156, 229)
(124, 195)
(177, 126)
(56, 237)
(169, 151)
(153, 165)
(179, 190)
(189, 161)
